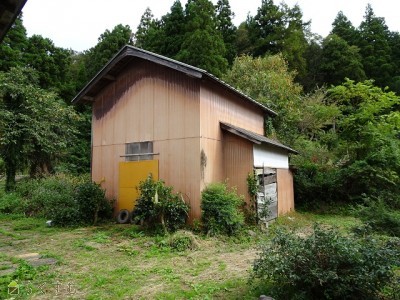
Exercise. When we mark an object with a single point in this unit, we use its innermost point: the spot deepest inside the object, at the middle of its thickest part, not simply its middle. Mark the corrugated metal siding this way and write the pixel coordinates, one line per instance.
(233, 161)
(238, 162)
(285, 191)
(150, 103)
(219, 105)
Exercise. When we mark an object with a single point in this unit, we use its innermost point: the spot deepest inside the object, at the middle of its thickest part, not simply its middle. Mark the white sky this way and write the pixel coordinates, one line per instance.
(77, 24)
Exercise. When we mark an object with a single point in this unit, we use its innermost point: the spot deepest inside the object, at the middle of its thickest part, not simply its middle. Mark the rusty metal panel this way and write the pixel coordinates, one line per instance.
(219, 105)
(285, 191)
(238, 162)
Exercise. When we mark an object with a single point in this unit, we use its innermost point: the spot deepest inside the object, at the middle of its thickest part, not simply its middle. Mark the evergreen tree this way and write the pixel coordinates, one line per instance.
(13, 47)
(50, 62)
(226, 28)
(243, 44)
(148, 35)
(339, 60)
(109, 43)
(203, 45)
(343, 28)
(313, 55)
(266, 29)
(280, 29)
(394, 43)
(375, 49)
(173, 30)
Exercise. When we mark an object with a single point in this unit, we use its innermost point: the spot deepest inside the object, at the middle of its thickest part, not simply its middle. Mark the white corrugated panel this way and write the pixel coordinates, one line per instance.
(268, 156)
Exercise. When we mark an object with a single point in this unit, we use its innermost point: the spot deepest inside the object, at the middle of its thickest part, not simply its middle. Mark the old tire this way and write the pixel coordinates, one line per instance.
(124, 216)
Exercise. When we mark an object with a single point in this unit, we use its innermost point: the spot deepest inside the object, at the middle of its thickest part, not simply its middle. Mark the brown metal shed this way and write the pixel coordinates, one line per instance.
(197, 128)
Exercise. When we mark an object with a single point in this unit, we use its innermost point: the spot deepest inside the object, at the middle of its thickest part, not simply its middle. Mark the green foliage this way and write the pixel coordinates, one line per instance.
(368, 138)
(35, 124)
(379, 217)
(340, 60)
(221, 210)
(65, 200)
(92, 202)
(109, 43)
(279, 29)
(157, 204)
(224, 17)
(325, 265)
(10, 203)
(182, 241)
(149, 34)
(202, 45)
(269, 81)
(252, 188)
(375, 48)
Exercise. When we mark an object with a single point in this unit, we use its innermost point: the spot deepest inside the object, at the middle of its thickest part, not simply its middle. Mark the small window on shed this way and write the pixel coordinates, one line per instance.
(139, 151)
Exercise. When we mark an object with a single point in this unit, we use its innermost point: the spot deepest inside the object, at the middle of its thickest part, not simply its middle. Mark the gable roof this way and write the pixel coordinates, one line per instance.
(9, 10)
(109, 72)
(254, 137)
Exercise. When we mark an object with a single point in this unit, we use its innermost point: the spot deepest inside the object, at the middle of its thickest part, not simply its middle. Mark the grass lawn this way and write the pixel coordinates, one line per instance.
(122, 262)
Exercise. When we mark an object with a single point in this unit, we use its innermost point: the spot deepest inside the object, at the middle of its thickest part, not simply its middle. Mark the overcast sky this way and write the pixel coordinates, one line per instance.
(77, 24)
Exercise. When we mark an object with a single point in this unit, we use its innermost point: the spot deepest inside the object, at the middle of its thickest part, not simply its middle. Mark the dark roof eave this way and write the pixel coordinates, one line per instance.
(254, 137)
(130, 51)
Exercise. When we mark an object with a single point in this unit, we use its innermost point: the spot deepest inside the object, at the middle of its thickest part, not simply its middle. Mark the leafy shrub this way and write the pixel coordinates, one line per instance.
(51, 197)
(324, 265)
(380, 218)
(157, 204)
(315, 186)
(66, 200)
(10, 203)
(221, 210)
(92, 202)
(183, 240)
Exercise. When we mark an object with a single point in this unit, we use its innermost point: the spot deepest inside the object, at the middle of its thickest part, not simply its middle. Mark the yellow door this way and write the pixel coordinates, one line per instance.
(130, 175)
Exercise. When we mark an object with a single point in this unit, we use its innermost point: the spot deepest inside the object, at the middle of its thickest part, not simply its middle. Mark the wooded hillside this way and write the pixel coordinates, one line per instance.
(337, 97)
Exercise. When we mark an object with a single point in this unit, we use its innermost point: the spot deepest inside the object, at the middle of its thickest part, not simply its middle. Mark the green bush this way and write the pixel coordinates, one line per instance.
(66, 200)
(158, 205)
(315, 186)
(325, 265)
(183, 240)
(221, 212)
(380, 217)
(10, 203)
(92, 202)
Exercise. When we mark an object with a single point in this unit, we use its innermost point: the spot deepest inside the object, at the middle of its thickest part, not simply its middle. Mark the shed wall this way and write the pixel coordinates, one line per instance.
(219, 105)
(285, 191)
(148, 102)
(238, 162)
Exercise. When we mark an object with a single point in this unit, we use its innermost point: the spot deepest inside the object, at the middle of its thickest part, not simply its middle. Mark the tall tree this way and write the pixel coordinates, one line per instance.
(266, 29)
(35, 126)
(313, 55)
(269, 81)
(226, 28)
(343, 28)
(149, 34)
(173, 25)
(13, 47)
(295, 44)
(50, 62)
(243, 44)
(339, 60)
(203, 45)
(109, 43)
(369, 140)
(375, 49)
(279, 29)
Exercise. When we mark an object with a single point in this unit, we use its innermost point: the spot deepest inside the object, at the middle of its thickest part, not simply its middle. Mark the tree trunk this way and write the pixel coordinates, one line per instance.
(11, 170)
